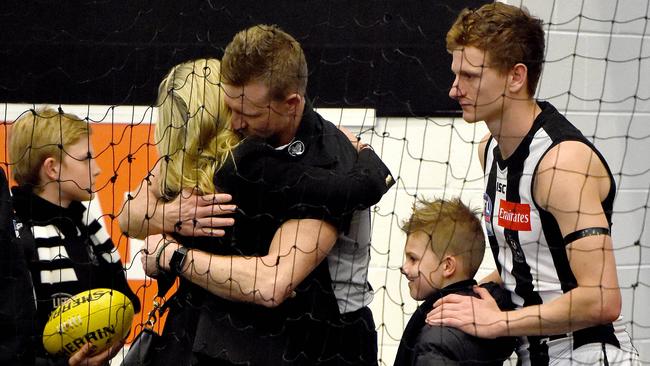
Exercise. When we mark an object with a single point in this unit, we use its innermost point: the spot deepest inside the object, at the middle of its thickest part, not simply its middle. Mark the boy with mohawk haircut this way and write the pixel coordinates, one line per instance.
(444, 249)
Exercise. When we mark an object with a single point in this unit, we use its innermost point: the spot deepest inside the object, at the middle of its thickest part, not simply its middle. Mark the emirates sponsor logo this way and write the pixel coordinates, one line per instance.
(514, 216)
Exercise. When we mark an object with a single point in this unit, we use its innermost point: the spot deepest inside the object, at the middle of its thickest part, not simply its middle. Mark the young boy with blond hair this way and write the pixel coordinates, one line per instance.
(67, 249)
(444, 248)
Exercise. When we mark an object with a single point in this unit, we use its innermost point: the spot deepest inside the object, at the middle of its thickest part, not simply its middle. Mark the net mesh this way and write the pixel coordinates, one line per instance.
(597, 73)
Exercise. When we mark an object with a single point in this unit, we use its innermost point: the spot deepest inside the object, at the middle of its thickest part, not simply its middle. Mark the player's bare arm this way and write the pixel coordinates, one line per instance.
(571, 183)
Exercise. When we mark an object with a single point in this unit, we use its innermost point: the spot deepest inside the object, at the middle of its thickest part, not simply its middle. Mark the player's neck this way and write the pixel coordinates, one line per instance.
(513, 124)
(287, 134)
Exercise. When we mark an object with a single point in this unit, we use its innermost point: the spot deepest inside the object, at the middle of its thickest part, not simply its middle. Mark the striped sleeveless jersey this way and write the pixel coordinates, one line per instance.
(525, 239)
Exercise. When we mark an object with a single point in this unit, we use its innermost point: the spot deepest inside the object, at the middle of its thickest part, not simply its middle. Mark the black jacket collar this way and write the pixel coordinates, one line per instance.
(308, 141)
(465, 286)
(31, 208)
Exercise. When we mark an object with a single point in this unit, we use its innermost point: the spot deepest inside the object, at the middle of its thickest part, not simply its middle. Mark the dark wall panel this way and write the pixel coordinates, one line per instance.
(387, 55)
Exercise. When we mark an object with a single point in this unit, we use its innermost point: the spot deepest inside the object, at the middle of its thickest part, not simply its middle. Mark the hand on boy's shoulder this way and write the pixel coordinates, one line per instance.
(500, 295)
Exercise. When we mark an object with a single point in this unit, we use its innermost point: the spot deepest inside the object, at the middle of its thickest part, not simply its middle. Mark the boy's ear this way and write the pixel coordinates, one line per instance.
(450, 264)
(50, 169)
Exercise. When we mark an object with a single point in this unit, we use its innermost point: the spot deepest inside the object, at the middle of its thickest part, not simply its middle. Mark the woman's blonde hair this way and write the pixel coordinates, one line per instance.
(192, 134)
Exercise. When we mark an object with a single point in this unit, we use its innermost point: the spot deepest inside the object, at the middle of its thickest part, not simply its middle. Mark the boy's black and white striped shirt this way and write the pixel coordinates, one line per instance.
(56, 265)
(68, 251)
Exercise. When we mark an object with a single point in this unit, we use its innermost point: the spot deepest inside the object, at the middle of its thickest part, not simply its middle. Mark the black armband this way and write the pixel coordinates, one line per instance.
(590, 231)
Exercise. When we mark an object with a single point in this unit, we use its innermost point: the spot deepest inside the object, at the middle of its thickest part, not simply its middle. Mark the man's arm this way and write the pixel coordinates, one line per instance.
(296, 250)
(570, 183)
(145, 213)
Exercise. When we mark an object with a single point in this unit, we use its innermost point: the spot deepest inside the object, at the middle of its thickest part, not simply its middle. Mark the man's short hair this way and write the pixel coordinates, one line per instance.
(509, 35)
(453, 229)
(266, 53)
(40, 134)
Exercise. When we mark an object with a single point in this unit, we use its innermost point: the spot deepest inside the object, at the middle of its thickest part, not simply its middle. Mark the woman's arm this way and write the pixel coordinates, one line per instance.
(296, 250)
(144, 212)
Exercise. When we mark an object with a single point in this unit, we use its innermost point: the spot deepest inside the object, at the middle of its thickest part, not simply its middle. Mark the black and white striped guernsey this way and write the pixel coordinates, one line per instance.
(526, 241)
(67, 250)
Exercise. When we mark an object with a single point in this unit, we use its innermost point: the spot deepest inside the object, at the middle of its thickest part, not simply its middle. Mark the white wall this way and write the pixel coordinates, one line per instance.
(608, 100)
(431, 158)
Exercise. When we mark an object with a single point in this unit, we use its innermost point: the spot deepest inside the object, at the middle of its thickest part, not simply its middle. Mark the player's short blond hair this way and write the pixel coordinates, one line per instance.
(40, 134)
(453, 229)
(268, 54)
(507, 33)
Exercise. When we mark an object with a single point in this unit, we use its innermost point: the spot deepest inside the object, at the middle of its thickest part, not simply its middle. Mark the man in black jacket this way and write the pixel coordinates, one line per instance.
(299, 297)
(444, 249)
(17, 310)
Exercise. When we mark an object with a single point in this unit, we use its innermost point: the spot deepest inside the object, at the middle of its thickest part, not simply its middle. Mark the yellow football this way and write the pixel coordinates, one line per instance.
(101, 316)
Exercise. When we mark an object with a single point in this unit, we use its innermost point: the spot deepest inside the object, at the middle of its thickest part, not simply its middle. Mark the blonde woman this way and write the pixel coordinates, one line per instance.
(289, 213)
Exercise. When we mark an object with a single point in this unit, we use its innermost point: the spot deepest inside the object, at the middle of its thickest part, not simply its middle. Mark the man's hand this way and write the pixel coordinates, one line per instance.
(85, 357)
(191, 214)
(480, 317)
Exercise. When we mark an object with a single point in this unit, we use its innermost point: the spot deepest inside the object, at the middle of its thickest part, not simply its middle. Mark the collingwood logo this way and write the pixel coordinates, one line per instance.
(517, 253)
(296, 148)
